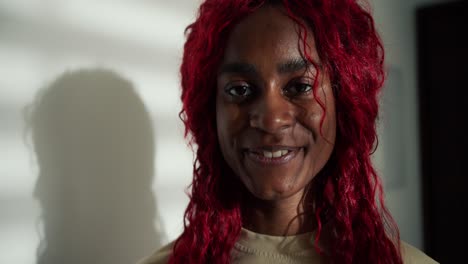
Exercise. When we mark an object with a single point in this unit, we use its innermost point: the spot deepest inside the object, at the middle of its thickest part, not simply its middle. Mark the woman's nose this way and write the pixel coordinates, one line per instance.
(272, 112)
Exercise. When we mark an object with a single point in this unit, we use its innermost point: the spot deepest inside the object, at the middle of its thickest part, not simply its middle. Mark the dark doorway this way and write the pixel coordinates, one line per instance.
(443, 77)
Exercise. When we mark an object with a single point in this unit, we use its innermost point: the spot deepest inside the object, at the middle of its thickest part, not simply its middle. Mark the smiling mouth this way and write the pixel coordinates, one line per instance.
(268, 157)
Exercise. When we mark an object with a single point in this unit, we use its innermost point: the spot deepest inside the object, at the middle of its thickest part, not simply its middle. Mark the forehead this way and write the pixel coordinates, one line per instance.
(267, 30)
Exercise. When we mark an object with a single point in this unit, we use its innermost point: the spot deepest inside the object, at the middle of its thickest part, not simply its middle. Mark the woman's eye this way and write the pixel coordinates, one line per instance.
(298, 88)
(239, 90)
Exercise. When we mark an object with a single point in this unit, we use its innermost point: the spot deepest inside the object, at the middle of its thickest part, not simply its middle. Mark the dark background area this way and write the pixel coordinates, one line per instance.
(443, 72)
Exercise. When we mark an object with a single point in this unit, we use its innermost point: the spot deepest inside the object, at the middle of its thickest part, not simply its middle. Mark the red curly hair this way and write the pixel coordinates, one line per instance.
(347, 193)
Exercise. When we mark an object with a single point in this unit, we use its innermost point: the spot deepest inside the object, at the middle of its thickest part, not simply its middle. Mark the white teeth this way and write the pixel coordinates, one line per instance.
(276, 154)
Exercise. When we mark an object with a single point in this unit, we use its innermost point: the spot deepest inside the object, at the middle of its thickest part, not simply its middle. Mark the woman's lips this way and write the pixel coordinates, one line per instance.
(272, 156)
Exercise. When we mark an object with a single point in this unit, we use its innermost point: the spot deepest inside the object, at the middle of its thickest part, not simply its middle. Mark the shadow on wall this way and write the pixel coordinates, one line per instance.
(94, 144)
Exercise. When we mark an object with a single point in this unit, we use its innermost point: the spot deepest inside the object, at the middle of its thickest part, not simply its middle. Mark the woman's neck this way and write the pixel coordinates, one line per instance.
(280, 217)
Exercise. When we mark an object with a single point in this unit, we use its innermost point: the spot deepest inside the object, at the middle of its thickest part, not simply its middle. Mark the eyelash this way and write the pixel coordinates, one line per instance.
(231, 89)
(305, 88)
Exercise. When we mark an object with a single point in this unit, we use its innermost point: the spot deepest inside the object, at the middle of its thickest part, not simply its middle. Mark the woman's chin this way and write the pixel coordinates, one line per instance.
(274, 192)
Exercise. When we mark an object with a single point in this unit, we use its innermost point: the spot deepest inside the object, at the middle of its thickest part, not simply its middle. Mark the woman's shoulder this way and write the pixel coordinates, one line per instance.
(412, 255)
(160, 256)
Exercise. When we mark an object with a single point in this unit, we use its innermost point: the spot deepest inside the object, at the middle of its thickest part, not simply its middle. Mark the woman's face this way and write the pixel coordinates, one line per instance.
(269, 122)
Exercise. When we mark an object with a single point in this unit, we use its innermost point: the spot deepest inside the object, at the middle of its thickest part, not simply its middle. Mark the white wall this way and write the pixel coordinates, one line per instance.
(141, 41)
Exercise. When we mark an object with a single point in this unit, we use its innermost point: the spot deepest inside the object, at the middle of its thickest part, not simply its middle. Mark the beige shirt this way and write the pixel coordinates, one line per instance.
(258, 248)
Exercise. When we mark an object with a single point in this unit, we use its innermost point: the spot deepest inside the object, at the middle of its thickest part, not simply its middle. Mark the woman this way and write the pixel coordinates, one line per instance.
(280, 100)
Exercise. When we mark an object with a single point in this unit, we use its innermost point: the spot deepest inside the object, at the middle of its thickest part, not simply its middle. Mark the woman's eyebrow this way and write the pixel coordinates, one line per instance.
(293, 65)
(238, 67)
(288, 66)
